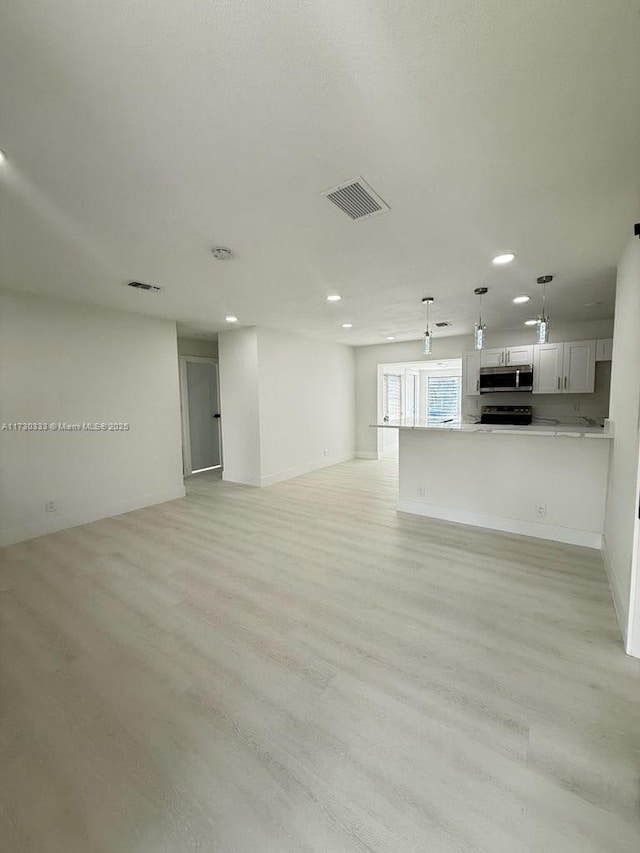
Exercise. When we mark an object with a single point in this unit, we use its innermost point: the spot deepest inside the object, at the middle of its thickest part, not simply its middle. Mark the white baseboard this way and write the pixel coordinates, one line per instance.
(367, 454)
(568, 535)
(307, 468)
(83, 515)
(619, 604)
(240, 477)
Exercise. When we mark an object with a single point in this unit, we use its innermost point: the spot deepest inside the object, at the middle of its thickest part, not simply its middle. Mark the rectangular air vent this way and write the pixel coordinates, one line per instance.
(443, 324)
(356, 199)
(140, 286)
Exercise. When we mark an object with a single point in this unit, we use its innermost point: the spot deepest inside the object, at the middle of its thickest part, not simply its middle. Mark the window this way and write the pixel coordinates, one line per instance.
(392, 401)
(443, 397)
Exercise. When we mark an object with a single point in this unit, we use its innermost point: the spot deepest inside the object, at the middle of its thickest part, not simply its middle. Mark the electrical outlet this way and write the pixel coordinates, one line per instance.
(541, 510)
(421, 491)
(576, 407)
(50, 506)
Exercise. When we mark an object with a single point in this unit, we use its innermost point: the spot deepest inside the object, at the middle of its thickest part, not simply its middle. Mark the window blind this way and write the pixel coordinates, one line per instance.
(443, 397)
(392, 396)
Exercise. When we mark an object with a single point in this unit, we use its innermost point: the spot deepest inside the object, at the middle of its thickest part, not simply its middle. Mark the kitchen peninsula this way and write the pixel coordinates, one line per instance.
(536, 480)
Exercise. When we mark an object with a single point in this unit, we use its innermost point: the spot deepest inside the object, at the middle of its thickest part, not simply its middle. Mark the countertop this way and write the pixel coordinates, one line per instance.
(552, 430)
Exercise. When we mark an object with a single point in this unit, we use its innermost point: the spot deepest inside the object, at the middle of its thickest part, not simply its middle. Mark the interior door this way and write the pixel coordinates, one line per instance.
(204, 414)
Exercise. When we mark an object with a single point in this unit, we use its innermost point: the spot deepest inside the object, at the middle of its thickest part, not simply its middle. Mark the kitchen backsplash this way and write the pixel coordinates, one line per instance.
(566, 408)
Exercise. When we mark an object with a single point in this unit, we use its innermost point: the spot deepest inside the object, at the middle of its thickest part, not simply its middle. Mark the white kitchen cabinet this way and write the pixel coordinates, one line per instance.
(492, 357)
(547, 368)
(564, 368)
(604, 349)
(519, 355)
(506, 355)
(579, 367)
(472, 373)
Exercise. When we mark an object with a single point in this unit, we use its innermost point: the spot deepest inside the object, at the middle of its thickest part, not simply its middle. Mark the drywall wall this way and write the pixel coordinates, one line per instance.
(201, 347)
(494, 481)
(61, 362)
(368, 442)
(239, 406)
(621, 519)
(307, 404)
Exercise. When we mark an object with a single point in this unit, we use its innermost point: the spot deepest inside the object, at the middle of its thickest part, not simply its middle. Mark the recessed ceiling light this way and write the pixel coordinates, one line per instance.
(500, 260)
(520, 299)
(3, 156)
(221, 253)
(334, 297)
(231, 318)
(391, 337)
(531, 322)
(347, 325)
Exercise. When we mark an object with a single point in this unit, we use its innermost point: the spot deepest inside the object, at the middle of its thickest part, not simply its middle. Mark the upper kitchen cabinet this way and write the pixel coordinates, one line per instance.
(604, 349)
(564, 368)
(547, 368)
(520, 355)
(472, 372)
(579, 367)
(492, 357)
(506, 355)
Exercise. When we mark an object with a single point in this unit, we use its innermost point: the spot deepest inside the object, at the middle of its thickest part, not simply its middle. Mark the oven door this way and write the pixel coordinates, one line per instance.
(510, 378)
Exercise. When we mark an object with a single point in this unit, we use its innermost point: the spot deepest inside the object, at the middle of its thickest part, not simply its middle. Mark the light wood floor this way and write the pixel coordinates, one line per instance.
(299, 669)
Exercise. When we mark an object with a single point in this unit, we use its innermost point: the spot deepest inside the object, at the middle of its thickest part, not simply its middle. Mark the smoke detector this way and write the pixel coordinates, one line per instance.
(356, 199)
(139, 285)
(221, 253)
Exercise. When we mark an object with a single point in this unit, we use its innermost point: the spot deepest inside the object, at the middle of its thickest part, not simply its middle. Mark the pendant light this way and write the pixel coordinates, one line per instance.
(478, 334)
(543, 320)
(426, 349)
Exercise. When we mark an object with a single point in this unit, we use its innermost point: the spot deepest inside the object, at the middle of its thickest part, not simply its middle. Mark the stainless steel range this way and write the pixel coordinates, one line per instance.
(513, 415)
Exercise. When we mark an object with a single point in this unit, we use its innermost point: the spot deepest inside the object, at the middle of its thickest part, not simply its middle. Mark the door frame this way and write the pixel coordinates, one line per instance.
(184, 412)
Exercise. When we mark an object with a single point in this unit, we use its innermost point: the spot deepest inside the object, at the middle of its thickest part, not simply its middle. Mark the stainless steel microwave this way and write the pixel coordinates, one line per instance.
(510, 377)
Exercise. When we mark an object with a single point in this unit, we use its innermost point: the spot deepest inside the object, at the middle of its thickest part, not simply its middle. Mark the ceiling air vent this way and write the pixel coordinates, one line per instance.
(356, 199)
(141, 286)
(443, 324)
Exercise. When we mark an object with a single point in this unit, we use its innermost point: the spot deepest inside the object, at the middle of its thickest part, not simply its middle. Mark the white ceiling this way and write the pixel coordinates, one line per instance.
(139, 134)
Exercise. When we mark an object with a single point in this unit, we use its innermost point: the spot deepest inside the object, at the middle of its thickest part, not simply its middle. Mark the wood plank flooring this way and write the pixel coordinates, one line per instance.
(300, 669)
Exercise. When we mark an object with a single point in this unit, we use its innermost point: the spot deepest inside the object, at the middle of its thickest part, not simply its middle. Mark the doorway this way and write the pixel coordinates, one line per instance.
(424, 392)
(200, 404)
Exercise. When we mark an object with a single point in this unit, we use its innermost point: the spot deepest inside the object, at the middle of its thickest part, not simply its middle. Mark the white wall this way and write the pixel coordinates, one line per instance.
(368, 359)
(307, 404)
(621, 520)
(201, 347)
(239, 406)
(287, 403)
(64, 362)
